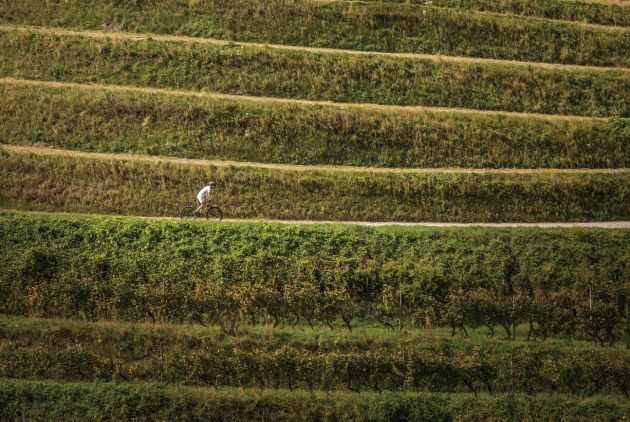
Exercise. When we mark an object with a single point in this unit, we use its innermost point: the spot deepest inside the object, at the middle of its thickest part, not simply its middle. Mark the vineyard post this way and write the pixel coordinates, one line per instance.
(512, 372)
(590, 303)
(161, 361)
(513, 318)
(400, 310)
(162, 311)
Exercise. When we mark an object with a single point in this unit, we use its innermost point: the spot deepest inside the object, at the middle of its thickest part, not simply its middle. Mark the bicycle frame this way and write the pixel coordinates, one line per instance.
(205, 206)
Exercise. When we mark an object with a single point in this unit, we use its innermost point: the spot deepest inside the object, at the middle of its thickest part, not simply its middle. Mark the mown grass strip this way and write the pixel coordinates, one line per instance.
(377, 27)
(56, 401)
(542, 225)
(602, 13)
(188, 125)
(364, 335)
(330, 169)
(103, 184)
(114, 351)
(313, 76)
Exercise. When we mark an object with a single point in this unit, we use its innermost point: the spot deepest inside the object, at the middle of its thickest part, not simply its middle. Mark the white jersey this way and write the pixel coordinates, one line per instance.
(202, 193)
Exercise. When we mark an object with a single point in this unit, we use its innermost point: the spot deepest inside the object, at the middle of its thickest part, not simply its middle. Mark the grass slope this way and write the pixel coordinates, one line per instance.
(602, 13)
(159, 188)
(101, 120)
(323, 76)
(359, 26)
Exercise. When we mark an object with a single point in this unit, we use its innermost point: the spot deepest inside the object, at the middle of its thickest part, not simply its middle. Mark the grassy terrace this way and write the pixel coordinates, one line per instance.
(596, 12)
(180, 124)
(58, 401)
(358, 26)
(80, 182)
(318, 76)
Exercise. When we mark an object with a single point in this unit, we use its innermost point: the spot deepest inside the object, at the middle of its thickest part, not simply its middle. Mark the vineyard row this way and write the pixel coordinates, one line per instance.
(57, 401)
(118, 353)
(573, 284)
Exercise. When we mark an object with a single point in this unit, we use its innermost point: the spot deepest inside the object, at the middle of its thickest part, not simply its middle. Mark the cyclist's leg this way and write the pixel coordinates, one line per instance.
(199, 207)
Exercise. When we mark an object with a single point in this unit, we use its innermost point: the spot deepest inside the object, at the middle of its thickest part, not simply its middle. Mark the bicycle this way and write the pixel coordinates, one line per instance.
(207, 210)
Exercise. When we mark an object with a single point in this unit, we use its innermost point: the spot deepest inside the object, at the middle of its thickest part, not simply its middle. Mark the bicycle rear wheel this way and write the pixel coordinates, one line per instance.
(187, 212)
(214, 213)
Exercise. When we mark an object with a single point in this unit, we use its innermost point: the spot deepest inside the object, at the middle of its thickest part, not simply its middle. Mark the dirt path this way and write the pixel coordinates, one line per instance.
(598, 224)
(472, 10)
(289, 167)
(186, 39)
(624, 3)
(272, 100)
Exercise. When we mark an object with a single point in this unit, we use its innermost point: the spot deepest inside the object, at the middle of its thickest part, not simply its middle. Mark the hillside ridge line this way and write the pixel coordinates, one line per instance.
(119, 35)
(596, 224)
(288, 101)
(292, 167)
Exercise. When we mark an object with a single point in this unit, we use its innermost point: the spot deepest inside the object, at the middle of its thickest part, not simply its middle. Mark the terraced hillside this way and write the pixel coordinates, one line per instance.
(335, 130)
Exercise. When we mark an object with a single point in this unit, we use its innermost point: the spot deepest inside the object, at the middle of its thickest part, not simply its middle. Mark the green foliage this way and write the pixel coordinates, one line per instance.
(570, 283)
(110, 352)
(192, 127)
(315, 76)
(572, 10)
(224, 280)
(54, 401)
(162, 187)
(358, 26)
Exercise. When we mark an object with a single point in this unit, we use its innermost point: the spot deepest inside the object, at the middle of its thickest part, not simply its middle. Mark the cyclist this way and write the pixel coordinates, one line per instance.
(203, 197)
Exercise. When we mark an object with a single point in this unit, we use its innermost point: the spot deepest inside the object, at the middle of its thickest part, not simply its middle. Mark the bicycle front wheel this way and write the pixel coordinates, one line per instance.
(214, 213)
(187, 212)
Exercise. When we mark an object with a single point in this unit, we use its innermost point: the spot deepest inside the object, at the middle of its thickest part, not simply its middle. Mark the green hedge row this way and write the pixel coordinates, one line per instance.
(160, 188)
(602, 13)
(122, 353)
(571, 283)
(54, 401)
(320, 76)
(191, 127)
(358, 26)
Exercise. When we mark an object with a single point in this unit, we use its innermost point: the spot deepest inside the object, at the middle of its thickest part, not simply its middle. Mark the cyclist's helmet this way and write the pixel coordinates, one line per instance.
(211, 183)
